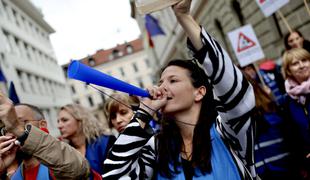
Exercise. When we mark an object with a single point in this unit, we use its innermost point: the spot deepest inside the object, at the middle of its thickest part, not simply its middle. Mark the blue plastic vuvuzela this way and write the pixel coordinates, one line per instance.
(79, 71)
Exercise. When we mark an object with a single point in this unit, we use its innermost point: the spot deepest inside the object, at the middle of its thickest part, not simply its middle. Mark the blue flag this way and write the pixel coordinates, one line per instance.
(2, 77)
(12, 94)
(152, 26)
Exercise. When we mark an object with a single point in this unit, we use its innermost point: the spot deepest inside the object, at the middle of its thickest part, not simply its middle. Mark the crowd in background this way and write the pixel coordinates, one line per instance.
(200, 122)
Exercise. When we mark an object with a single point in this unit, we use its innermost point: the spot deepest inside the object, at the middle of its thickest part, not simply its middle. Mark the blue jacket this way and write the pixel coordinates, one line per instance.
(96, 152)
(220, 157)
(300, 115)
(272, 155)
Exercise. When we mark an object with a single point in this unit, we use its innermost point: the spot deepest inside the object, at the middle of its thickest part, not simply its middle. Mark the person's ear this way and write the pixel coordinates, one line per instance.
(200, 93)
(43, 123)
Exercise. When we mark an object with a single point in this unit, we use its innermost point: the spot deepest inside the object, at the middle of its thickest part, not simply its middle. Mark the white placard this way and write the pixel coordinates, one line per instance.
(270, 6)
(148, 6)
(246, 45)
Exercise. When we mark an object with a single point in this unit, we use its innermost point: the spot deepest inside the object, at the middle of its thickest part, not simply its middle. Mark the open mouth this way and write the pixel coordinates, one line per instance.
(169, 98)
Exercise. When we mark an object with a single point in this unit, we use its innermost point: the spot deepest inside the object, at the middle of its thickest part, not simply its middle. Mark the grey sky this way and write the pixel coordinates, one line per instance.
(84, 26)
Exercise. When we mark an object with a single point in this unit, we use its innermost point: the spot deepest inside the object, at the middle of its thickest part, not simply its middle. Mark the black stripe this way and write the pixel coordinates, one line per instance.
(217, 80)
(237, 123)
(226, 96)
(232, 104)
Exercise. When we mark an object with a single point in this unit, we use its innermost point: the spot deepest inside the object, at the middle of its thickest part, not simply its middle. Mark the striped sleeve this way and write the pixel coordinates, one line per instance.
(234, 95)
(132, 156)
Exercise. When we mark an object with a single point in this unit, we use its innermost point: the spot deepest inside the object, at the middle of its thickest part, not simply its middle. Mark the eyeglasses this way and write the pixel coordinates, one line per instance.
(3, 131)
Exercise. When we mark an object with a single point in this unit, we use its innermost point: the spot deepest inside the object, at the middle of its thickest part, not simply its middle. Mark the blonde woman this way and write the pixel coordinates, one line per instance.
(85, 133)
(296, 68)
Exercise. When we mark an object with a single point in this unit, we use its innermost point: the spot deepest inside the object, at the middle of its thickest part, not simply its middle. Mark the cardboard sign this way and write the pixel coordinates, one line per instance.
(246, 45)
(270, 6)
(148, 6)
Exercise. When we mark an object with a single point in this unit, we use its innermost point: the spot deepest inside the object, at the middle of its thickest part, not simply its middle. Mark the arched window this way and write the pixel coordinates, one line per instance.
(91, 61)
(219, 27)
(129, 49)
(237, 9)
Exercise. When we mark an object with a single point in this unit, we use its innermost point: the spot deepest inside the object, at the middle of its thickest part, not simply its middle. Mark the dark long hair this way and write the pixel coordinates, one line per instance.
(170, 141)
(306, 43)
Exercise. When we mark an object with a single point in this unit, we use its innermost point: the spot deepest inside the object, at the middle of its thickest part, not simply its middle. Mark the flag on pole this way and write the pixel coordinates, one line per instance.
(152, 29)
(152, 26)
(12, 94)
(149, 40)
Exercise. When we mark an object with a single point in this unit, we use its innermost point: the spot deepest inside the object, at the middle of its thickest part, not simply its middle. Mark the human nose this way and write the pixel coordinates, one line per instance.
(59, 125)
(164, 86)
(301, 64)
(119, 118)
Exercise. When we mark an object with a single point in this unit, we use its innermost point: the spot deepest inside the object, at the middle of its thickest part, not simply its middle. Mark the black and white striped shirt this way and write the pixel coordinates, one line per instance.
(133, 154)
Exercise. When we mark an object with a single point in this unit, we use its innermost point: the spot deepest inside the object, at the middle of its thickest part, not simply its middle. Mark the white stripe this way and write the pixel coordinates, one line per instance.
(109, 161)
(116, 171)
(127, 153)
(268, 143)
(271, 159)
(125, 139)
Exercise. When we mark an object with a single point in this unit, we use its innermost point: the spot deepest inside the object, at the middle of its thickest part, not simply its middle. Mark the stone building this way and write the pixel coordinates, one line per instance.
(27, 58)
(222, 16)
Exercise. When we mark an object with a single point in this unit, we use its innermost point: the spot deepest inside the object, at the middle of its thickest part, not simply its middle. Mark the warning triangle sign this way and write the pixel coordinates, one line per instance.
(244, 42)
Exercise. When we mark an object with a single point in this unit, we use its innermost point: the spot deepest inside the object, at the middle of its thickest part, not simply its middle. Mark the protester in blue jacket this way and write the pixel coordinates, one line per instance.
(273, 158)
(86, 133)
(296, 67)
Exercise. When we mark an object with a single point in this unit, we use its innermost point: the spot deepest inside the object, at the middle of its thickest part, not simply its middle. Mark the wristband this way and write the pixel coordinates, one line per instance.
(146, 118)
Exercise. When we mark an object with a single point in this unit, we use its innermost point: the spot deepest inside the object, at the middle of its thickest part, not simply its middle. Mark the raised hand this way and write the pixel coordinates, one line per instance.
(182, 7)
(8, 116)
(7, 151)
(158, 100)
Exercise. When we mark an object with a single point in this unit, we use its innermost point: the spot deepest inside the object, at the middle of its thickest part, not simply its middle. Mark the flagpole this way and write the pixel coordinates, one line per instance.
(285, 21)
(307, 7)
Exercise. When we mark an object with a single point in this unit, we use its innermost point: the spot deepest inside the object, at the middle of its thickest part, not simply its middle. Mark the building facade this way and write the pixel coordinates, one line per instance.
(221, 17)
(27, 58)
(127, 62)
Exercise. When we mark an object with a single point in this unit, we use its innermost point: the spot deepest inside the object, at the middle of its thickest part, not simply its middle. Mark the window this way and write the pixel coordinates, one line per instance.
(19, 74)
(219, 27)
(91, 61)
(30, 82)
(73, 89)
(237, 9)
(90, 100)
(15, 17)
(115, 53)
(122, 71)
(135, 67)
(147, 62)
(129, 49)
(140, 83)
(102, 98)
(274, 17)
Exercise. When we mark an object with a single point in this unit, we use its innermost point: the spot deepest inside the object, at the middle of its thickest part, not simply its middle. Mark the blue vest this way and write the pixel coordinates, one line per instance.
(43, 173)
(223, 165)
(271, 153)
(96, 153)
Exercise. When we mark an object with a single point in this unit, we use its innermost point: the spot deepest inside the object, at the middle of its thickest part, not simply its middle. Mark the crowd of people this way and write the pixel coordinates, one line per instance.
(205, 119)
